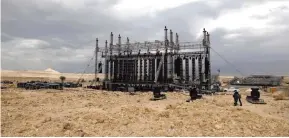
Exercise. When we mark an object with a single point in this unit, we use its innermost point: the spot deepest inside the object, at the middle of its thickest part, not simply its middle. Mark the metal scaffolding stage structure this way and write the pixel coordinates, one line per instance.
(168, 63)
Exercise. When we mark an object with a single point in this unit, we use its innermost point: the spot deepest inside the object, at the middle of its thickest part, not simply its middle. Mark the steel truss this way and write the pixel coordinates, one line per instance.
(168, 63)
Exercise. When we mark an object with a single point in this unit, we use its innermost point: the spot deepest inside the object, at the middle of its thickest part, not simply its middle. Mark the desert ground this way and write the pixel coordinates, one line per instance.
(86, 112)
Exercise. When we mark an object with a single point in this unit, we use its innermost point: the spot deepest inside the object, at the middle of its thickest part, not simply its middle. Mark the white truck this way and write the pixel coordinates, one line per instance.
(231, 89)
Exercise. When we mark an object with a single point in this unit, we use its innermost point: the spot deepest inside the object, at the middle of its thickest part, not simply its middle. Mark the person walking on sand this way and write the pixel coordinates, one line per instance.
(237, 97)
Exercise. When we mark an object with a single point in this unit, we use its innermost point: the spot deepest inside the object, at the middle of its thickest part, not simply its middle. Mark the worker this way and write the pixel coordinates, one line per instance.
(237, 97)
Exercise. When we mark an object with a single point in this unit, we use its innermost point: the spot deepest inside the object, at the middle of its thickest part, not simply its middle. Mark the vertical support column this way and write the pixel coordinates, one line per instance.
(131, 70)
(165, 64)
(124, 70)
(126, 77)
(153, 68)
(120, 64)
(111, 61)
(162, 70)
(204, 46)
(193, 69)
(171, 58)
(95, 64)
(177, 48)
(200, 70)
(181, 69)
(130, 62)
(187, 69)
(166, 40)
(205, 37)
(145, 70)
(150, 69)
(171, 41)
(108, 67)
(119, 44)
(135, 70)
(207, 72)
(209, 61)
(106, 61)
(111, 69)
(118, 76)
(171, 72)
(116, 66)
(141, 70)
(116, 70)
(177, 66)
(128, 70)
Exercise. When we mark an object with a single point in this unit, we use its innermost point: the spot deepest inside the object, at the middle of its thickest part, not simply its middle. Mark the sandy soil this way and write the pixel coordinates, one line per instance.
(84, 112)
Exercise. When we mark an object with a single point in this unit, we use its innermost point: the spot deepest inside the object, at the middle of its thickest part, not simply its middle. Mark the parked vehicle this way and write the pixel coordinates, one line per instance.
(231, 89)
(32, 85)
(42, 85)
(70, 85)
(6, 82)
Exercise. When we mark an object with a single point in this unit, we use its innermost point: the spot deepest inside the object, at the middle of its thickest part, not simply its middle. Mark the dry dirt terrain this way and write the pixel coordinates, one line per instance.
(84, 112)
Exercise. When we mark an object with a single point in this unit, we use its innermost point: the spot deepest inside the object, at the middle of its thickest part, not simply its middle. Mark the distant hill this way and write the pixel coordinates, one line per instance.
(48, 74)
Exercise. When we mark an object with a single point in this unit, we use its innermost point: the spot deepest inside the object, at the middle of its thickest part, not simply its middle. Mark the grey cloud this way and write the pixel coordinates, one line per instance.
(251, 45)
(260, 55)
(182, 18)
(71, 32)
(52, 20)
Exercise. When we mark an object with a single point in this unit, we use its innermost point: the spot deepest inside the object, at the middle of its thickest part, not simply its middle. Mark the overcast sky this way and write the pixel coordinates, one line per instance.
(60, 34)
